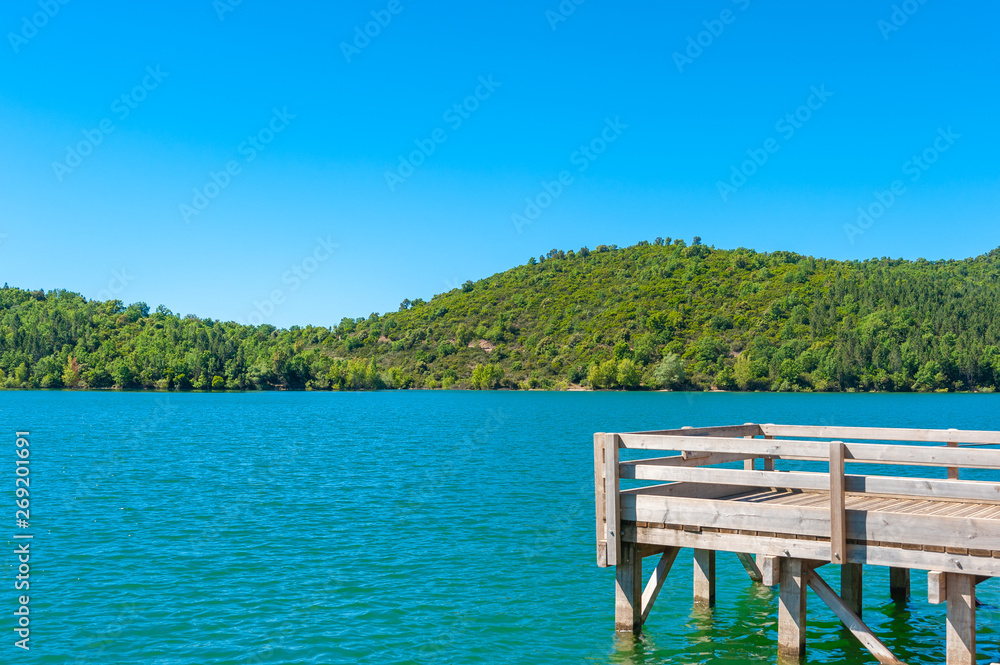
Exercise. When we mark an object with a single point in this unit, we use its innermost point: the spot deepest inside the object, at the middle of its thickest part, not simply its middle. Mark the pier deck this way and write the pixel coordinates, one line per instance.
(783, 524)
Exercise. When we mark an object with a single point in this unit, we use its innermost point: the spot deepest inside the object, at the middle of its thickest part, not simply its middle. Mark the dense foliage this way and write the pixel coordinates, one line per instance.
(655, 315)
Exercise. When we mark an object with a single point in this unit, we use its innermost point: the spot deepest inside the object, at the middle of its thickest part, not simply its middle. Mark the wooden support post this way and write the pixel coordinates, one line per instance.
(937, 587)
(961, 590)
(628, 590)
(851, 620)
(656, 580)
(769, 569)
(704, 577)
(838, 517)
(851, 584)
(749, 464)
(612, 498)
(751, 566)
(952, 470)
(769, 461)
(899, 584)
(600, 500)
(792, 610)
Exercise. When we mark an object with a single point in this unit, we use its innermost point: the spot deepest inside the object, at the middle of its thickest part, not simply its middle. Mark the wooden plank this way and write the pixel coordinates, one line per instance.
(628, 590)
(656, 580)
(851, 621)
(852, 586)
(937, 585)
(899, 584)
(965, 490)
(838, 506)
(792, 610)
(690, 490)
(750, 565)
(867, 453)
(961, 619)
(882, 433)
(861, 525)
(749, 429)
(704, 578)
(600, 501)
(706, 459)
(816, 549)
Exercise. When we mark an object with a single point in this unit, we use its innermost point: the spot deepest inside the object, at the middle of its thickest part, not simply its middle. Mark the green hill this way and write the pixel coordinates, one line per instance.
(654, 315)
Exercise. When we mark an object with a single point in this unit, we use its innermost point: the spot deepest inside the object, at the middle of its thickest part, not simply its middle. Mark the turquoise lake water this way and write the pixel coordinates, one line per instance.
(392, 527)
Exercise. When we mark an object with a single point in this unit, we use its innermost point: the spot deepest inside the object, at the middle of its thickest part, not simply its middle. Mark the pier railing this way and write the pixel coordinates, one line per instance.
(947, 525)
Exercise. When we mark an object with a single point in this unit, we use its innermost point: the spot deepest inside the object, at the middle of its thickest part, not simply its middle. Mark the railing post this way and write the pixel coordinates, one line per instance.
(838, 521)
(611, 488)
(952, 470)
(599, 499)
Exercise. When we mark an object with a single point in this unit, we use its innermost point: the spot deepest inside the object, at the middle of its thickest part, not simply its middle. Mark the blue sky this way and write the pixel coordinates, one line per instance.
(243, 161)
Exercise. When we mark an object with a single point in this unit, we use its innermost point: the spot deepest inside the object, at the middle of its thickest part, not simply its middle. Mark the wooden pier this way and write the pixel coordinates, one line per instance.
(785, 524)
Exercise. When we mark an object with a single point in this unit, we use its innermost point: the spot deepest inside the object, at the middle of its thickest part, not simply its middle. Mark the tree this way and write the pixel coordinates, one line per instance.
(629, 374)
(669, 372)
(622, 351)
(71, 373)
(487, 377)
(603, 374)
(463, 335)
(929, 377)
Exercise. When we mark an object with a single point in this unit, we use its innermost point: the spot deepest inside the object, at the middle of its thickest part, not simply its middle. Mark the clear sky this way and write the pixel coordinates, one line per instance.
(230, 157)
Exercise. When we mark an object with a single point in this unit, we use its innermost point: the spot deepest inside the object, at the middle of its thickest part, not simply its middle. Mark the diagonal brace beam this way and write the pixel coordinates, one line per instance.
(851, 620)
(752, 570)
(656, 580)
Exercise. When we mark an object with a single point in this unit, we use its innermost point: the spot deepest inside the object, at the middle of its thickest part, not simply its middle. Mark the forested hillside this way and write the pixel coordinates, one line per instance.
(654, 315)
